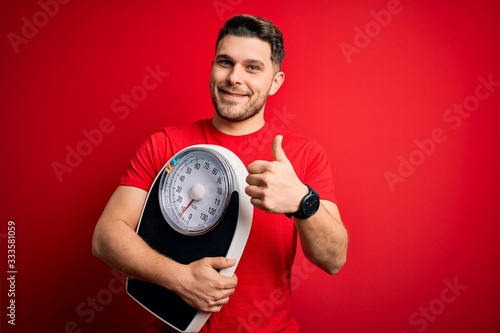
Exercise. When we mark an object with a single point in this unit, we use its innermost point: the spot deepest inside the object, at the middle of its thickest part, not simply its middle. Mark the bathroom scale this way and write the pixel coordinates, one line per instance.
(196, 208)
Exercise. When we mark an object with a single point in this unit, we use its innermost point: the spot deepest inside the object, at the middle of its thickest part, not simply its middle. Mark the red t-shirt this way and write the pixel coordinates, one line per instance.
(262, 300)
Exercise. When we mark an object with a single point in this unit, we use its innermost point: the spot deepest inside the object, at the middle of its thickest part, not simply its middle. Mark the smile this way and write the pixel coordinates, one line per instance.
(228, 92)
(234, 95)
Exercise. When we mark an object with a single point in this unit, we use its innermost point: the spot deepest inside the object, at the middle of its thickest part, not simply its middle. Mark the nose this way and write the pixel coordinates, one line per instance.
(235, 76)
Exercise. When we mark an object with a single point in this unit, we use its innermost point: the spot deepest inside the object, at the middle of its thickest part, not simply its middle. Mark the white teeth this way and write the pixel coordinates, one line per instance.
(236, 95)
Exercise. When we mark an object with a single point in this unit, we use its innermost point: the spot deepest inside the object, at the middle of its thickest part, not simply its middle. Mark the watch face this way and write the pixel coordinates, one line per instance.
(311, 205)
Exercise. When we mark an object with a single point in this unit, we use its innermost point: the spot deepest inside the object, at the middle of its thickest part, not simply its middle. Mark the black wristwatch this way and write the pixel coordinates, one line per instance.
(308, 206)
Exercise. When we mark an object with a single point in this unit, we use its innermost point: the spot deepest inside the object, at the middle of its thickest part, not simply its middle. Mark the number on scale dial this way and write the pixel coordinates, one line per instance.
(195, 190)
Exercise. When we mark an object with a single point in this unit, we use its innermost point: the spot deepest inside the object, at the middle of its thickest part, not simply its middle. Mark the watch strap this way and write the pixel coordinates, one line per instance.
(300, 213)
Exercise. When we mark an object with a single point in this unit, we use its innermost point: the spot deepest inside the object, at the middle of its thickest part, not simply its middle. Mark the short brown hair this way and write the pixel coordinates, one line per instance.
(252, 26)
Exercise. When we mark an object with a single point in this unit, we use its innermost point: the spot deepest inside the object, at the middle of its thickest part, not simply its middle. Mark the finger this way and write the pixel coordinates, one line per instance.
(254, 179)
(225, 293)
(253, 191)
(217, 306)
(257, 203)
(223, 296)
(220, 262)
(278, 152)
(229, 283)
(257, 167)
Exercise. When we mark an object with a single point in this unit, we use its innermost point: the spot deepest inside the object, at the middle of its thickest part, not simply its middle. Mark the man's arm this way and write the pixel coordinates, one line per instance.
(116, 243)
(275, 188)
(324, 237)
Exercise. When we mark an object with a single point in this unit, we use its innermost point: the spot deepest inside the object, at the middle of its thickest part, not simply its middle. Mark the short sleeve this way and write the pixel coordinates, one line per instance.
(318, 171)
(146, 162)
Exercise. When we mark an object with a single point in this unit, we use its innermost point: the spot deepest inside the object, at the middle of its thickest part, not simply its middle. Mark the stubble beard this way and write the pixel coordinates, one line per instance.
(233, 112)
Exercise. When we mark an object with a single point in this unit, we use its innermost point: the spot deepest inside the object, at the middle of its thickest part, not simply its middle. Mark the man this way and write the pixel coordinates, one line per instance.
(245, 71)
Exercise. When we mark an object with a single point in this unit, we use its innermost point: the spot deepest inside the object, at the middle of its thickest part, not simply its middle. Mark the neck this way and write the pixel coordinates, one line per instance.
(245, 127)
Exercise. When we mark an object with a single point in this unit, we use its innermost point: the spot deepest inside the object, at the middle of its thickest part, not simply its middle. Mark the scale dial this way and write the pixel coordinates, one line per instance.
(195, 189)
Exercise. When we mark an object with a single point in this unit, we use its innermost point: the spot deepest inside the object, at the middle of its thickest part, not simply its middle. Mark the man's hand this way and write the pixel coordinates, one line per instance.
(202, 287)
(273, 185)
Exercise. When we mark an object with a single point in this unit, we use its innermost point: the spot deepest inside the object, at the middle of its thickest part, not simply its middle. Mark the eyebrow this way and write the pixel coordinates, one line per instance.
(247, 61)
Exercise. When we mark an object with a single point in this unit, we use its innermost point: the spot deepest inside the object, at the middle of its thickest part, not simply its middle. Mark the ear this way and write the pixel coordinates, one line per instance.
(277, 82)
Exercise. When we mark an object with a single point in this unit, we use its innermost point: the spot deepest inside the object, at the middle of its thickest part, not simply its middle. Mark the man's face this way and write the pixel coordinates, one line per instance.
(242, 77)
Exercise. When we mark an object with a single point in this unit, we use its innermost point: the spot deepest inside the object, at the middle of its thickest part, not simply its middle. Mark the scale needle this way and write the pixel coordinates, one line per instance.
(189, 204)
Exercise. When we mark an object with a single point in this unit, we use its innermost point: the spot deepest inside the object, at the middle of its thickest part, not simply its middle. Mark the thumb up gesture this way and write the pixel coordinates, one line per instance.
(273, 186)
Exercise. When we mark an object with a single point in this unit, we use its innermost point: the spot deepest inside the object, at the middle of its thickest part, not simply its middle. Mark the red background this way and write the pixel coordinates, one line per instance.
(408, 242)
